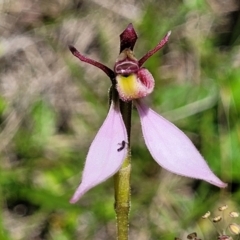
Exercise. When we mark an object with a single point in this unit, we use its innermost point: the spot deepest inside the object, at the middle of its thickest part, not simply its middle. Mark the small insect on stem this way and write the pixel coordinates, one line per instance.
(123, 144)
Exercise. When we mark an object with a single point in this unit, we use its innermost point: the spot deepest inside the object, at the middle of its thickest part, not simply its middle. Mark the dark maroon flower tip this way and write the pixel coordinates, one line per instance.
(72, 49)
(128, 38)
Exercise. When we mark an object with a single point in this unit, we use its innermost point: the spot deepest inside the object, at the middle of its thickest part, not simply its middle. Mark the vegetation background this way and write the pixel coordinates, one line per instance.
(51, 106)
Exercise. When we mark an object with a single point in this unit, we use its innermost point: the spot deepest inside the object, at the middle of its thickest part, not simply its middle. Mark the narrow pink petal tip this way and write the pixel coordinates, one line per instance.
(106, 153)
(172, 149)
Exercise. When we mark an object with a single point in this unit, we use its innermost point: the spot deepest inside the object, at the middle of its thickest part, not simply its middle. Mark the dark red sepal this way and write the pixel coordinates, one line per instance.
(104, 68)
(128, 38)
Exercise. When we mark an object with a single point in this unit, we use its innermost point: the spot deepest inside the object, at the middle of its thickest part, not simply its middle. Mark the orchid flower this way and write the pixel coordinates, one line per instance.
(168, 145)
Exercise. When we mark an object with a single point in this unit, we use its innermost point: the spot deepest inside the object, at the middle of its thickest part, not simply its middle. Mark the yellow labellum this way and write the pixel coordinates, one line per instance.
(128, 85)
(134, 86)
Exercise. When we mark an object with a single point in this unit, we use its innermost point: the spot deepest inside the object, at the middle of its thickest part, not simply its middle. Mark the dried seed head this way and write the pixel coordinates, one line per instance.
(234, 214)
(234, 228)
(217, 219)
(206, 215)
(222, 208)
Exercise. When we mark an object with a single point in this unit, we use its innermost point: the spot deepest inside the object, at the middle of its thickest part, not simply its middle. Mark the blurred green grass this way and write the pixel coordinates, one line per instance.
(52, 105)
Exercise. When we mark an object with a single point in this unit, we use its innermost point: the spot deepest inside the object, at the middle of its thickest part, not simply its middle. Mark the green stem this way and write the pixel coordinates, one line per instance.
(122, 180)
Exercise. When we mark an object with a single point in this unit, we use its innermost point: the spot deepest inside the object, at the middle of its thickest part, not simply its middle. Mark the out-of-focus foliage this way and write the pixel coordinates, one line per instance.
(51, 106)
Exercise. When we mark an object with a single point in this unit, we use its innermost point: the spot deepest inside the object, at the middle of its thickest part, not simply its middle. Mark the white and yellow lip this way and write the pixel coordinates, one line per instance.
(135, 85)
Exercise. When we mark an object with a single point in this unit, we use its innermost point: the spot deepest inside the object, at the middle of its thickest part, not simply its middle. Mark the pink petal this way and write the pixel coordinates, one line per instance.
(172, 149)
(106, 153)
